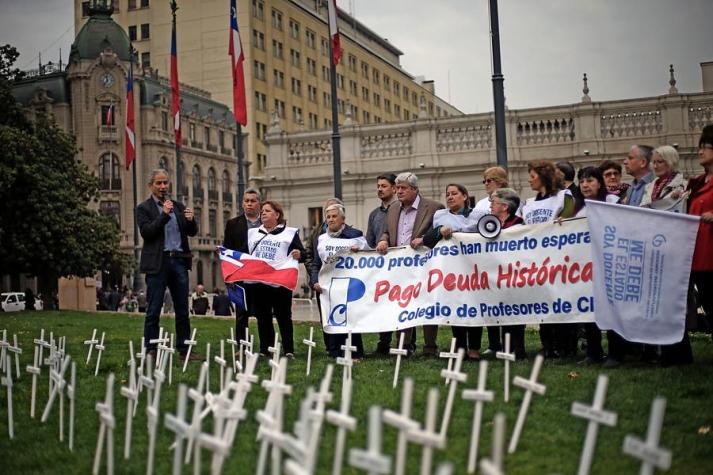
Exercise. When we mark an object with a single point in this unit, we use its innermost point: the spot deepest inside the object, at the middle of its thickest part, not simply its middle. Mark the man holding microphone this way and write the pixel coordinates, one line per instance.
(165, 259)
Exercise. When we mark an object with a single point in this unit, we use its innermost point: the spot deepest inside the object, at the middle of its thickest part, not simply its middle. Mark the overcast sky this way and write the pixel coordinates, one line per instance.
(624, 46)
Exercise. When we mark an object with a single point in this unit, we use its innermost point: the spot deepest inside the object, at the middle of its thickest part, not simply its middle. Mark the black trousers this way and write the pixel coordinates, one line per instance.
(277, 302)
(517, 339)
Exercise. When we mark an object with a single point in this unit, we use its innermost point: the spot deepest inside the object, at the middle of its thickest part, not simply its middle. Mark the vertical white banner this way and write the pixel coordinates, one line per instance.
(642, 264)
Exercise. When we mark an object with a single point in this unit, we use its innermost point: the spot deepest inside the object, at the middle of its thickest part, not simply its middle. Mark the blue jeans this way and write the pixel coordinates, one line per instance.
(174, 275)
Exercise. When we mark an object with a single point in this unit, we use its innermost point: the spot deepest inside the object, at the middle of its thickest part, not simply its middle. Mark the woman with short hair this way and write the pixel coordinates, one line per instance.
(665, 192)
(337, 237)
(274, 241)
(493, 178)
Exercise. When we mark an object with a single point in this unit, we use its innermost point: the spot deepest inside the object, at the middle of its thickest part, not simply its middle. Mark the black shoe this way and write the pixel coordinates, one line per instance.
(193, 356)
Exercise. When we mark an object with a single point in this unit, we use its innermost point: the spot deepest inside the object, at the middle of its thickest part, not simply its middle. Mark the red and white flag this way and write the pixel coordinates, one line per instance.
(334, 32)
(175, 91)
(241, 267)
(129, 130)
(235, 49)
(110, 115)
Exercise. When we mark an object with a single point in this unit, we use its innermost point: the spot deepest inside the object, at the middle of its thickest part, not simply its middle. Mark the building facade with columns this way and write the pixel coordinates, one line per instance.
(458, 149)
(79, 97)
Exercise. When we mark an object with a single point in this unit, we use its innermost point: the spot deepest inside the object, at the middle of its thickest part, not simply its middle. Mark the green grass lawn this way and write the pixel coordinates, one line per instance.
(551, 440)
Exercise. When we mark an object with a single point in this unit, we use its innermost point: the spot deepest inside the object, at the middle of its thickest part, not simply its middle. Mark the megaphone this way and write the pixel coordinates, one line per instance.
(489, 226)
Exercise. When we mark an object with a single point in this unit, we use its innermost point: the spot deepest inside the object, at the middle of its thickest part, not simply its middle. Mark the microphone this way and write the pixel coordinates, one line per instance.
(165, 196)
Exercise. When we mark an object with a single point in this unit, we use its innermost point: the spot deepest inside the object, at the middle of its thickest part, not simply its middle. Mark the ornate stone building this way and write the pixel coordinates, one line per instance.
(458, 149)
(79, 98)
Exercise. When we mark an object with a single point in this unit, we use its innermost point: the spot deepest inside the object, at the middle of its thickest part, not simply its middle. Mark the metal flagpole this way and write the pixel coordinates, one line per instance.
(498, 92)
(241, 161)
(138, 284)
(178, 193)
(336, 138)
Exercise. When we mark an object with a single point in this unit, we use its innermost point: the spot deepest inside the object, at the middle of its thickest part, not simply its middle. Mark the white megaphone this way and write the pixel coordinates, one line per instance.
(489, 226)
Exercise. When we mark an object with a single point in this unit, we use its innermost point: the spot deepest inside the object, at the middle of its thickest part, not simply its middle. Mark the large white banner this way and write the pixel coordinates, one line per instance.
(529, 274)
(642, 260)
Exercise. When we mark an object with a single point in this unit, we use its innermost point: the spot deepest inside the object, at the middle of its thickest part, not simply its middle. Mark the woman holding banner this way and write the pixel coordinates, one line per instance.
(337, 237)
(504, 204)
(459, 217)
(274, 241)
(552, 201)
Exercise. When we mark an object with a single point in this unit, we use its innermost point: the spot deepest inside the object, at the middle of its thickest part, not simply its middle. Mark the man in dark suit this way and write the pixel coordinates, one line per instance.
(405, 225)
(165, 259)
(236, 238)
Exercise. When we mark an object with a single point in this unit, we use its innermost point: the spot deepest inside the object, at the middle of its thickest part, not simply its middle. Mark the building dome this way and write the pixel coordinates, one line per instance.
(99, 33)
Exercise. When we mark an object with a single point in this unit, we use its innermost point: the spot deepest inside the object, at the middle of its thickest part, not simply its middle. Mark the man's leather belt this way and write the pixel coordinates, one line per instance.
(177, 254)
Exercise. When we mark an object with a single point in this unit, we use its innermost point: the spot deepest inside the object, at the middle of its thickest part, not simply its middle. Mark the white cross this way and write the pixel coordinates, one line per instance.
(310, 344)
(15, 348)
(131, 393)
(131, 355)
(245, 344)
(220, 361)
(402, 422)
(7, 382)
(399, 352)
(274, 350)
(453, 377)
(271, 417)
(146, 380)
(100, 348)
(106, 428)
(3, 349)
(152, 414)
(480, 396)
(190, 344)
(507, 356)
(296, 446)
(72, 395)
(371, 460)
(207, 374)
(347, 360)
(529, 385)
(142, 357)
(41, 343)
(178, 425)
(648, 451)
(428, 437)
(169, 350)
(160, 343)
(35, 369)
(494, 465)
(58, 386)
(233, 343)
(316, 418)
(596, 415)
(90, 342)
(344, 423)
(450, 355)
(197, 395)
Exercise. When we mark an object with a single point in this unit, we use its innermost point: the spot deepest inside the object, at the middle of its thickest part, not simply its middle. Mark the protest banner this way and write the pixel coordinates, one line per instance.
(642, 260)
(528, 274)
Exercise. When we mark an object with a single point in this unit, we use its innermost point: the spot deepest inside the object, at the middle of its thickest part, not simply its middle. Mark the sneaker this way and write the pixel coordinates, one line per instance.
(290, 356)
(193, 356)
(611, 363)
(487, 352)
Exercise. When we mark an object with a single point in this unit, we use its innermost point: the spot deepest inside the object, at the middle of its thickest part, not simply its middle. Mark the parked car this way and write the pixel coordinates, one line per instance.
(15, 301)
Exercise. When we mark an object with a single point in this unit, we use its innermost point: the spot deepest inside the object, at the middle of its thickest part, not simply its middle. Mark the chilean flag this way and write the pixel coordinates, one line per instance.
(235, 49)
(175, 91)
(129, 134)
(334, 32)
(241, 267)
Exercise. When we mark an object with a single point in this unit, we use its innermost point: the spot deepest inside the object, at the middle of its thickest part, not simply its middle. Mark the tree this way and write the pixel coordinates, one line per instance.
(48, 230)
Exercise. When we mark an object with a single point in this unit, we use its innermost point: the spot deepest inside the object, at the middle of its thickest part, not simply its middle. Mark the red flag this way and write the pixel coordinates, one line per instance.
(110, 115)
(235, 49)
(175, 91)
(129, 134)
(334, 32)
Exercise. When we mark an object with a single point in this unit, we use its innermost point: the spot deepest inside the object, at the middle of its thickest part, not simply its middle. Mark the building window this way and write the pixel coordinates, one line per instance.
(406, 91)
(387, 83)
(312, 93)
(387, 106)
(397, 90)
(365, 94)
(260, 101)
(340, 81)
(280, 108)
(164, 121)
(340, 106)
(258, 9)
(313, 121)
(197, 188)
(296, 115)
(260, 130)
(262, 164)
(294, 29)
(367, 117)
(296, 86)
(197, 213)
(112, 209)
(352, 88)
(206, 134)
(259, 70)
(226, 183)
(364, 70)
(221, 139)
(377, 100)
(327, 123)
(163, 163)
(146, 60)
(277, 19)
(277, 49)
(144, 3)
(278, 78)
(259, 40)
(132, 33)
(132, 4)
(212, 223)
(325, 73)
(108, 114)
(310, 39)
(311, 66)
(324, 46)
(110, 172)
(192, 132)
(145, 31)
(211, 180)
(407, 115)
(397, 111)
(352, 63)
(327, 99)
(375, 76)
(85, 8)
(295, 58)
(414, 98)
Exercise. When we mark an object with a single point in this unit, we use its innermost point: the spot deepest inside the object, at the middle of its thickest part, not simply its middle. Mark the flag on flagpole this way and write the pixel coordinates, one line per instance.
(334, 32)
(235, 50)
(110, 115)
(241, 267)
(129, 130)
(175, 91)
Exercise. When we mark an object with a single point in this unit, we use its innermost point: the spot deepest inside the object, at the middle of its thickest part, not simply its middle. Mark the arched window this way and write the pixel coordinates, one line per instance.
(226, 182)
(197, 188)
(163, 163)
(110, 172)
(212, 191)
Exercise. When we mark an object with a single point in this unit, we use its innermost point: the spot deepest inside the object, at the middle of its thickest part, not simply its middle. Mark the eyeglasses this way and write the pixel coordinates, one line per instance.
(488, 180)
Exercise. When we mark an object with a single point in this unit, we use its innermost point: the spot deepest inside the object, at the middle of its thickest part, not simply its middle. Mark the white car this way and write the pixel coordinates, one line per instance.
(15, 301)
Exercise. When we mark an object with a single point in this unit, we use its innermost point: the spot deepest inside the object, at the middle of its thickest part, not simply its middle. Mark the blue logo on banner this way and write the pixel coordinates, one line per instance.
(344, 292)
